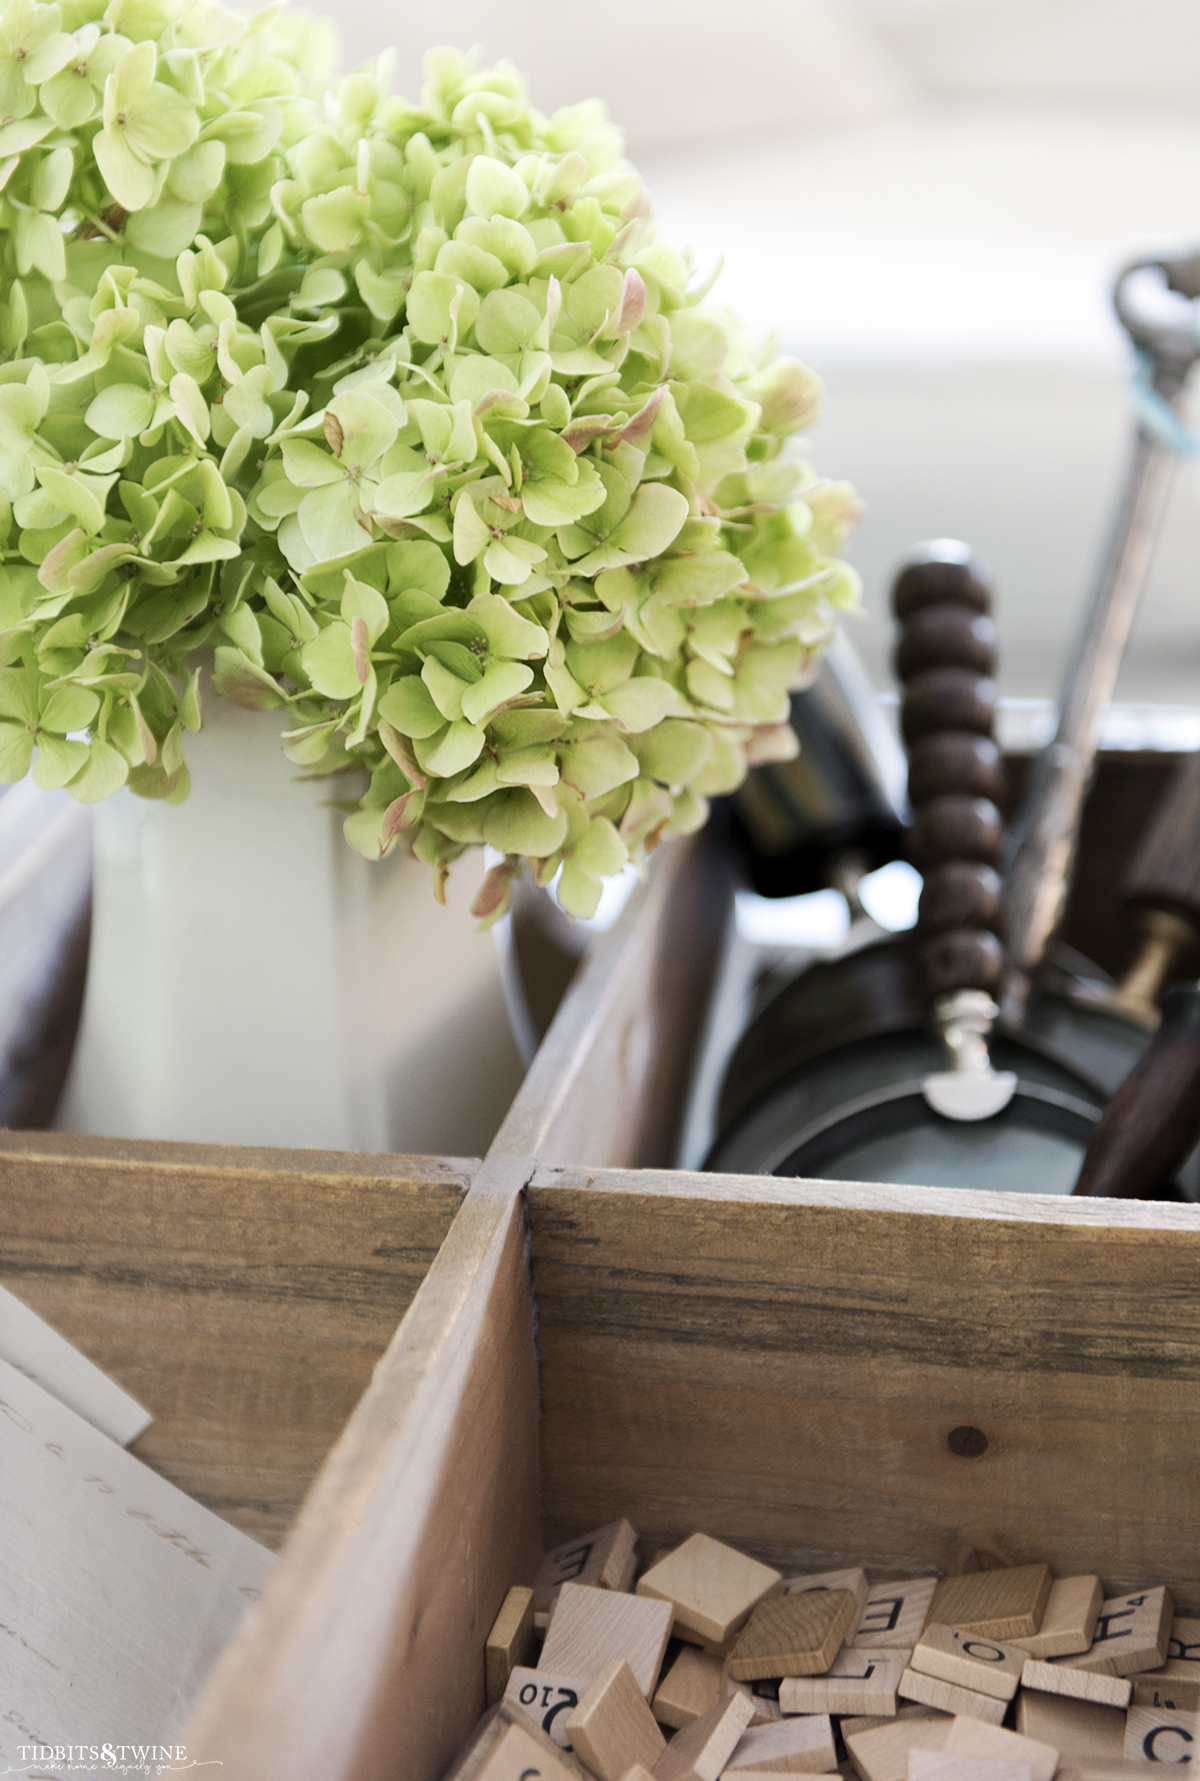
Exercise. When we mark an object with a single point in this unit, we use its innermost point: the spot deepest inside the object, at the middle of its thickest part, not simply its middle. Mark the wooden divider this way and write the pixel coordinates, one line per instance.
(364, 1659)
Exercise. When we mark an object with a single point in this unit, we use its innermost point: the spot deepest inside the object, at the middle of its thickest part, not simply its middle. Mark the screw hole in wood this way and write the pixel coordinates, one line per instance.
(967, 1442)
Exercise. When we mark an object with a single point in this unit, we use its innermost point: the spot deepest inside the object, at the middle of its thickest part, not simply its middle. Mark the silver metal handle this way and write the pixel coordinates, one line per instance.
(1039, 874)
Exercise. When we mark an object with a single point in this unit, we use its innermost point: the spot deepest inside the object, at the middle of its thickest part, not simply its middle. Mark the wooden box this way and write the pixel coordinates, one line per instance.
(243, 1296)
(777, 1362)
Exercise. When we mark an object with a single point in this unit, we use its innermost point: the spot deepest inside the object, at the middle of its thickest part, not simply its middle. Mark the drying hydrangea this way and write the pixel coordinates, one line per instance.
(402, 412)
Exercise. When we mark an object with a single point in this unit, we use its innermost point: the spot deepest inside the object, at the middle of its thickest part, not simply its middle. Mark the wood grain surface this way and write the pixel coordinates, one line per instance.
(243, 1296)
(364, 1661)
(780, 1364)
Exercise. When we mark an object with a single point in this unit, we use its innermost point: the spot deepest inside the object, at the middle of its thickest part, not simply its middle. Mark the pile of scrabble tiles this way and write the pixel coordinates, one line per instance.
(710, 1666)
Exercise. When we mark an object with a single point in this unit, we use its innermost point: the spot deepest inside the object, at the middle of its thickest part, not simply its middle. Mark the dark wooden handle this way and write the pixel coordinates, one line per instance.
(1167, 872)
(1153, 1121)
(945, 657)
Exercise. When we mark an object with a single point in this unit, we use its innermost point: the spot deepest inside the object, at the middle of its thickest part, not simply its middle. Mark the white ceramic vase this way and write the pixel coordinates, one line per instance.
(252, 980)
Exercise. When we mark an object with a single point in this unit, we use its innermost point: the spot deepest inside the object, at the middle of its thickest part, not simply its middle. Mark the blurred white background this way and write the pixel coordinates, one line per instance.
(926, 199)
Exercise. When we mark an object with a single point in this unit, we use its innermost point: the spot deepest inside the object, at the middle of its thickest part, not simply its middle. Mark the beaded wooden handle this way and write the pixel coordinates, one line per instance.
(944, 659)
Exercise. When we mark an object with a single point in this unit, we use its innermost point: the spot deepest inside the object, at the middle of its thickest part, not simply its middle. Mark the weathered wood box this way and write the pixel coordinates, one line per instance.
(777, 1362)
(243, 1296)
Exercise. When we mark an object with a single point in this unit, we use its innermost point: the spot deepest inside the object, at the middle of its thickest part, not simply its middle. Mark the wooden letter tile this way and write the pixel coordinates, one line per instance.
(1184, 1643)
(1175, 1685)
(1069, 1623)
(1155, 1735)
(793, 1635)
(867, 1722)
(951, 1699)
(1078, 1685)
(773, 1774)
(509, 1745)
(855, 1580)
(1132, 1634)
(694, 1683)
(1075, 1728)
(984, 1665)
(941, 1765)
(858, 1682)
(711, 1587)
(509, 1643)
(612, 1727)
(1006, 1604)
(605, 1558)
(967, 1737)
(763, 1696)
(549, 1699)
(703, 1749)
(590, 1626)
(882, 1755)
(895, 1614)
(794, 1746)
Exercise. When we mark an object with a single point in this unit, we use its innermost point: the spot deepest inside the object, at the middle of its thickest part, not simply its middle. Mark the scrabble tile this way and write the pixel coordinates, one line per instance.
(1184, 1642)
(1154, 1734)
(702, 1749)
(711, 1587)
(763, 1695)
(508, 1745)
(1100, 1768)
(1059, 1677)
(1075, 1728)
(1132, 1634)
(866, 1722)
(895, 1614)
(1006, 1604)
(773, 1774)
(1175, 1685)
(857, 1682)
(941, 1765)
(509, 1643)
(590, 1626)
(795, 1746)
(639, 1772)
(694, 1683)
(855, 1580)
(985, 1665)
(548, 1698)
(950, 1698)
(967, 1737)
(612, 1728)
(605, 1558)
(1069, 1623)
(882, 1754)
(792, 1635)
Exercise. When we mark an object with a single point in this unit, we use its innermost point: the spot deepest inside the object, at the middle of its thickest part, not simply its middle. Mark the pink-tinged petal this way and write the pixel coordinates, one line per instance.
(771, 742)
(494, 893)
(394, 820)
(580, 435)
(331, 426)
(641, 423)
(633, 303)
(400, 749)
(360, 642)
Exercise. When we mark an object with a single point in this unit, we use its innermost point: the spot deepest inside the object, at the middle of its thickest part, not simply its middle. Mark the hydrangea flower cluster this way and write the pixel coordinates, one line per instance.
(403, 413)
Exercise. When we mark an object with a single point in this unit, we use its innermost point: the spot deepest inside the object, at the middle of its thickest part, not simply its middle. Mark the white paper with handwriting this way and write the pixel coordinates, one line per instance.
(117, 1590)
(29, 1343)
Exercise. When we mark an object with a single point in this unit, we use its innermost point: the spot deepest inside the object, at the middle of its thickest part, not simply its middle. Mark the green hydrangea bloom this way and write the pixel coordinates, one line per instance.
(403, 412)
